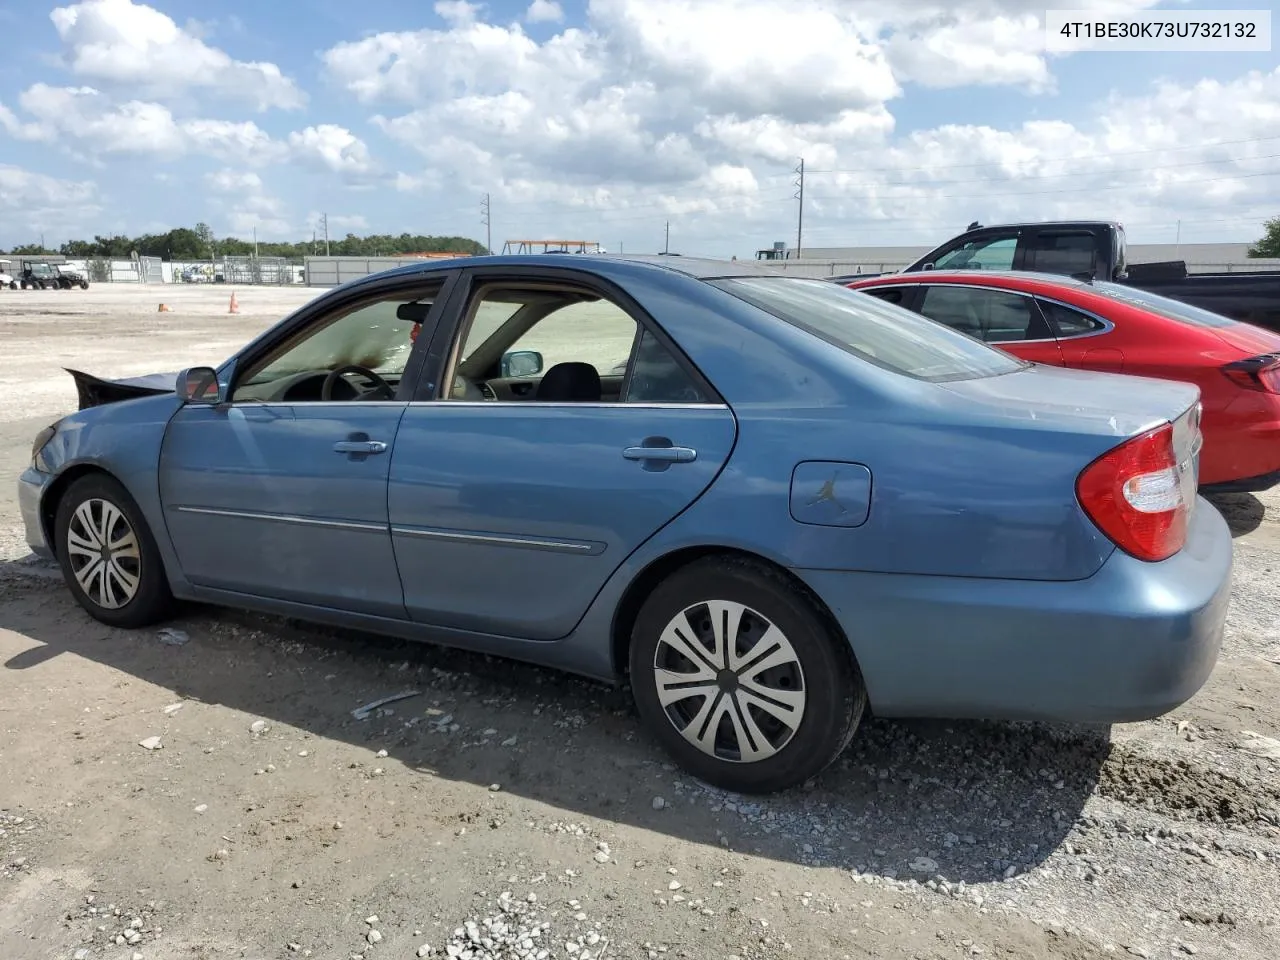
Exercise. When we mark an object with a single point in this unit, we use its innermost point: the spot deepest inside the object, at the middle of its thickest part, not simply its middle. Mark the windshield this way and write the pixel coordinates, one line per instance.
(1173, 309)
(888, 336)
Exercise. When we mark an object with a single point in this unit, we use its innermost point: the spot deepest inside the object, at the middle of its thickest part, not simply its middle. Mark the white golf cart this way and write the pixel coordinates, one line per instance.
(6, 278)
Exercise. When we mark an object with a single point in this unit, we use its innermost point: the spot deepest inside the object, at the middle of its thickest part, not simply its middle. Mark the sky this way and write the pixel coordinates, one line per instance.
(608, 120)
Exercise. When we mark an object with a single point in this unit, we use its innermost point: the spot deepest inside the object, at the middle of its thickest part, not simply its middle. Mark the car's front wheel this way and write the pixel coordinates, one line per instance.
(108, 556)
(742, 678)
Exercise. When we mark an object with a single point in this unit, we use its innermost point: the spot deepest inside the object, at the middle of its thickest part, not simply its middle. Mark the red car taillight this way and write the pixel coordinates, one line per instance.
(1256, 373)
(1135, 495)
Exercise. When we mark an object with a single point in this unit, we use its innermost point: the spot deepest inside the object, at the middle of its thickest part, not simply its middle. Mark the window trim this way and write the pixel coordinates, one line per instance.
(296, 326)
(447, 332)
(986, 287)
(1107, 325)
(919, 302)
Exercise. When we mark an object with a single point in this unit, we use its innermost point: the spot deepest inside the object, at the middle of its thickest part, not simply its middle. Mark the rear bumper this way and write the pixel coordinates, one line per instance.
(1131, 642)
(30, 489)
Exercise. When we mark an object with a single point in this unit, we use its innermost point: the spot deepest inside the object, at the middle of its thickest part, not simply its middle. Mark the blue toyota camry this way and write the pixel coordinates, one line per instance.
(768, 503)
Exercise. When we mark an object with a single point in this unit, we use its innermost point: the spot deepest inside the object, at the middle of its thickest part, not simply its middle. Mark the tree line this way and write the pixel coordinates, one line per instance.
(1269, 245)
(199, 243)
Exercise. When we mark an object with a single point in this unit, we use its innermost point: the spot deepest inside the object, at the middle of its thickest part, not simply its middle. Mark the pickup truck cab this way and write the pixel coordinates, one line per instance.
(1096, 250)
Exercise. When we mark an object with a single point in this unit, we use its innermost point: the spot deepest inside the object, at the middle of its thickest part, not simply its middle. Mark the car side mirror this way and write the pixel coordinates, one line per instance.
(521, 363)
(926, 266)
(198, 385)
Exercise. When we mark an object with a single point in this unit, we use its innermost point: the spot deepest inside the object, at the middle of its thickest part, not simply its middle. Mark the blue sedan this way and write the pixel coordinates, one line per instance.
(770, 504)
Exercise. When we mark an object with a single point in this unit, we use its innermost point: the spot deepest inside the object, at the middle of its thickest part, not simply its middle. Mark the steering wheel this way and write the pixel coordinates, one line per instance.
(380, 386)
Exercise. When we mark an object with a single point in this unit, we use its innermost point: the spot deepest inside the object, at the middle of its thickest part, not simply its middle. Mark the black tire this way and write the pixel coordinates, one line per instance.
(151, 600)
(84, 284)
(834, 694)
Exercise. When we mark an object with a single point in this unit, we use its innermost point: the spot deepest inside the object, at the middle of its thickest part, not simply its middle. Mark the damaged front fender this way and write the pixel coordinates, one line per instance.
(94, 391)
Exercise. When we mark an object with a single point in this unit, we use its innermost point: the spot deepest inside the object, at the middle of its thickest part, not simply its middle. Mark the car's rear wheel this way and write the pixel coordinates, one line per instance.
(108, 556)
(742, 677)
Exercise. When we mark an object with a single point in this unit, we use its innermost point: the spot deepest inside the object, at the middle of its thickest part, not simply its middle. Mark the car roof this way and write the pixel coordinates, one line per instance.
(700, 268)
(1005, 278)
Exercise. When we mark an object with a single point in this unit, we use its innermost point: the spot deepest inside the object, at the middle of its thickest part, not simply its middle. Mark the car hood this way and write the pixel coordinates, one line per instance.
(94, 391)
(1077, 401)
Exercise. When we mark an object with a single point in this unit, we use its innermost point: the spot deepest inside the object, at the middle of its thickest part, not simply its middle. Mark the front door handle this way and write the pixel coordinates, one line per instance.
(663, 454)
(359, 446)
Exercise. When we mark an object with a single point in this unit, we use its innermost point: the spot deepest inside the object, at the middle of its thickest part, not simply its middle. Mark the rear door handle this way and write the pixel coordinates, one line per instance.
(359, 446)
(666, 454)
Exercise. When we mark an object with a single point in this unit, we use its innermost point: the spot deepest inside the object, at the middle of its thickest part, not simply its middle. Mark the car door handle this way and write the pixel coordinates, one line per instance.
(666, 454)
(359, 446)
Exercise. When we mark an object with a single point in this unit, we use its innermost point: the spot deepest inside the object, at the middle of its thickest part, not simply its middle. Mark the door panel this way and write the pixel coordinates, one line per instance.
(257, 500)
(507, 518)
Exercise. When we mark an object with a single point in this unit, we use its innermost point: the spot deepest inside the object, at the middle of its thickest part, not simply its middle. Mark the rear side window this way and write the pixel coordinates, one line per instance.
(1069, 322)
(1068, 253)
(881, 333)
(1174, 309)
(994, 316)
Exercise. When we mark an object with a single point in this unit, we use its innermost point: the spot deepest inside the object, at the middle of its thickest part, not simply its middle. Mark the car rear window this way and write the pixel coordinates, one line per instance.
(1173, 309)
(889, 336)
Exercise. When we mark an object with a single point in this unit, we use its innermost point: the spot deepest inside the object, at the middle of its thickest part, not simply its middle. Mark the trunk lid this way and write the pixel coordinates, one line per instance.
(1254, 341)
(1075, 401)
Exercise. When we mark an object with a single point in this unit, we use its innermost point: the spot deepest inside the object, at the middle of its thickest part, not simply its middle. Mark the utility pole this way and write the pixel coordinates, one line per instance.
(255, 239)
(800, 213)
(324, 223)
(666, 243)
(488, 229)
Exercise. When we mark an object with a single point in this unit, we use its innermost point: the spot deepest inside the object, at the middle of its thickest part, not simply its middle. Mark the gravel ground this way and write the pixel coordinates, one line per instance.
(209, 794)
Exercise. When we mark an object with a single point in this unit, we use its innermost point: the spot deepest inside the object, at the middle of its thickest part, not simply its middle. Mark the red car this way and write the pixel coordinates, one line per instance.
(1098, 325)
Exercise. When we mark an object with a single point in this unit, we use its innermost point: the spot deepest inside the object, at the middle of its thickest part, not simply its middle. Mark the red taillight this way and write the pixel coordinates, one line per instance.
(1256, 373)
(1135, 495)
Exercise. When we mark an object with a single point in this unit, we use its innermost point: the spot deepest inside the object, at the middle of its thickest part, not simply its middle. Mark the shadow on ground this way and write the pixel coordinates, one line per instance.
(1243, 511)
(967, 801)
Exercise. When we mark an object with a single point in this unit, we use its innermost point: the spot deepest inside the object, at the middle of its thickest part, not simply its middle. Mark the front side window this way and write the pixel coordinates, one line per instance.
(377, 336)
(888, 336)
(983, 253)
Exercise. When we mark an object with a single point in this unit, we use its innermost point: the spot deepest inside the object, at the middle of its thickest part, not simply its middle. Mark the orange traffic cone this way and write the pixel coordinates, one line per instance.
(164, 308)
(235, 307)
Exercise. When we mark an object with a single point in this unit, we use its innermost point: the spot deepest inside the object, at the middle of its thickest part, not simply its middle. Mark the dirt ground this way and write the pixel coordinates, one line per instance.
(512, 804)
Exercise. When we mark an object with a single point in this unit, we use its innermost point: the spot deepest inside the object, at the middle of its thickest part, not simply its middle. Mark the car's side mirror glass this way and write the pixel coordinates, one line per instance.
(521, 363)
(926, 266)
(198, 385)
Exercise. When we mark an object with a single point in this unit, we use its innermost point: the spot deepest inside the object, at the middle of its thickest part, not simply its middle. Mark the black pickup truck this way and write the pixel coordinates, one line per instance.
(1095, 249)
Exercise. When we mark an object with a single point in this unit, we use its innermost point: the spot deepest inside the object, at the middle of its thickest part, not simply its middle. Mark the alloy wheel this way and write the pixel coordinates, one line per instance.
(729, 681)
(104, 553)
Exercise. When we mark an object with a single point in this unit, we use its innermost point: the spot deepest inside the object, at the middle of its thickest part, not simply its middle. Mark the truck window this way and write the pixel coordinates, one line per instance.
(993, 252)
(1062, 252)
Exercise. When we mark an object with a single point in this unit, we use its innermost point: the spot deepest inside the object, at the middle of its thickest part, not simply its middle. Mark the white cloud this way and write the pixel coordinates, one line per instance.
(638, 114)
(33, 203)
(136, 46)
(86, 116)
(233, 181)
(544, 11)
(331, 147)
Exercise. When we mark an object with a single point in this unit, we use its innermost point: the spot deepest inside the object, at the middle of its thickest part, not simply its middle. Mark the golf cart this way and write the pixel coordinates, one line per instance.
(6, 278)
